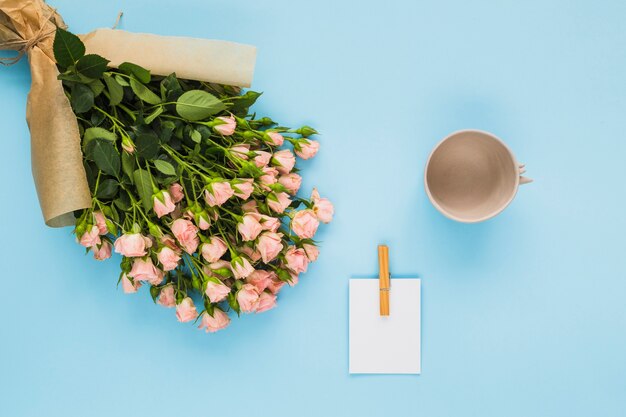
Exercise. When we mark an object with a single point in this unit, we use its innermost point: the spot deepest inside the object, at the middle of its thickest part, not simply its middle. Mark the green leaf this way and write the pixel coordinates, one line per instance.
(143, 183)
(144, 92)
(165, 167)
(97, 87)
(150, 118)
(243, 103)
(92, 65)
(82, 98)
(196, 136)
(67, 47)
(106, 157)
(197, 105)
(147, 145)
(107, 189)
(128, 165)
(97, 133)
(116, 91)
(121, 81)
(140, 73)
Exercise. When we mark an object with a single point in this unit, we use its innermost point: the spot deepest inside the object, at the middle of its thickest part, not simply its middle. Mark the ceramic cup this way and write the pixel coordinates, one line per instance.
(471, 176)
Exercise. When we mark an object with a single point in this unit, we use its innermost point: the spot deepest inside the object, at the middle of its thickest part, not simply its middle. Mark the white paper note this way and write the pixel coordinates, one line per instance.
(385, 345)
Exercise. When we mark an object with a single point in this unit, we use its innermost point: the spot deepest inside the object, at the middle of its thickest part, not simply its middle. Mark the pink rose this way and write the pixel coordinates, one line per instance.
(269, 176)
(219, 321)
(144, 270)
(240, 150)
(163, 204)
(168, 258)
(261, 279)
(267, 301)
(278, 201)
(248, 298)
(307, 148)
(218, 193)
(215, 266)
(169, 241)
(262, 158)
(305, 224)
(312, 252)
(103, 251)
(296, 259)
(250, 207)
(227, 125)
(187, 234)
(186, 310)
(244, 189)
(291, 182)
(275, 285)
(268, 223)
(275, 138)
(322, 207)
(251, 253)
(176, 191)
(91, 237)
(269, 245)
(129, 286)
(167, 298)
(284, 161)
(132, 245)
(214, 249)
(241, 267)
(216, 292)
(101, 222)
(203, 221)
(249, 228)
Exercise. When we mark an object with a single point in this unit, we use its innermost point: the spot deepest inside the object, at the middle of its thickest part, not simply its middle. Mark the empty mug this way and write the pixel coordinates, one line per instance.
(471, 176)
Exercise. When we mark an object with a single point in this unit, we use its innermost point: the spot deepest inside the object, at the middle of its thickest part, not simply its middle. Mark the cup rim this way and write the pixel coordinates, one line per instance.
(491, 215)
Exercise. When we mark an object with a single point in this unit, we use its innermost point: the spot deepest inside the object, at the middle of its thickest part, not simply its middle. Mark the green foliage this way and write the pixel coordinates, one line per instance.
(197, 105)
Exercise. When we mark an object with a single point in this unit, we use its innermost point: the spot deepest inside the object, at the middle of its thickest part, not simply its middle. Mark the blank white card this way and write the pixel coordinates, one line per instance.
(385, 345)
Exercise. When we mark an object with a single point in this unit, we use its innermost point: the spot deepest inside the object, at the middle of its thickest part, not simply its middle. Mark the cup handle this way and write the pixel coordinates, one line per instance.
(522, 179)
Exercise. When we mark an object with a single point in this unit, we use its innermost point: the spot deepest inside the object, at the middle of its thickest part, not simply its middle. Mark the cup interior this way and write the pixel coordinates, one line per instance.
(471, 176)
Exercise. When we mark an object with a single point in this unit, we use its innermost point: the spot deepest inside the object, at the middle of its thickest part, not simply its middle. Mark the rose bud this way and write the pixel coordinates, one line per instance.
(167, 298)
(261, 279)
(262, 158)
(213, 249)
(129, 286)
(291, 182)
(102, 251)
(212, 324)
(144, 270)
(132, 245)
(296, 259)
(274, 138)
(187, 234)
(249, 228)
(322, 207)
(307, 148)
(278, 201)
(248, 298)
(243, 187)
(269, 245)
(186, 310)
(241, 267)
(312, 252)
(215, 291)
(240, 151)
(128, 145)
(284, 161)
(101, 222)
(267, 301)
(91, 237)
(305, 224)
(176, 191)
(163, 203)
(226, 125)
(218, 193)
(168, 258)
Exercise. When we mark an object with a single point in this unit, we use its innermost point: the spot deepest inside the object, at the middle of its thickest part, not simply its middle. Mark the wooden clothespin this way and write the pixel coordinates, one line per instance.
(383, 279)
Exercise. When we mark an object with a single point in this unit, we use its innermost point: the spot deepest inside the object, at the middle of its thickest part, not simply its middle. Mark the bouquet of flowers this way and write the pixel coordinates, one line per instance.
(198, 195)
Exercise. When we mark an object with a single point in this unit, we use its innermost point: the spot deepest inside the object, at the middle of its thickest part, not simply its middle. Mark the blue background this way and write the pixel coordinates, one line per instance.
(523, 315)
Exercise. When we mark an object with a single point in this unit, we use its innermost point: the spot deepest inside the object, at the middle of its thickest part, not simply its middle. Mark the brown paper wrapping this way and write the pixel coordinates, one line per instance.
(57, 163)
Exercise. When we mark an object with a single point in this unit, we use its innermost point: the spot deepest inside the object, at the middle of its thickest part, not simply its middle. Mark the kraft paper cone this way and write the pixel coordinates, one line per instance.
(28, 26)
